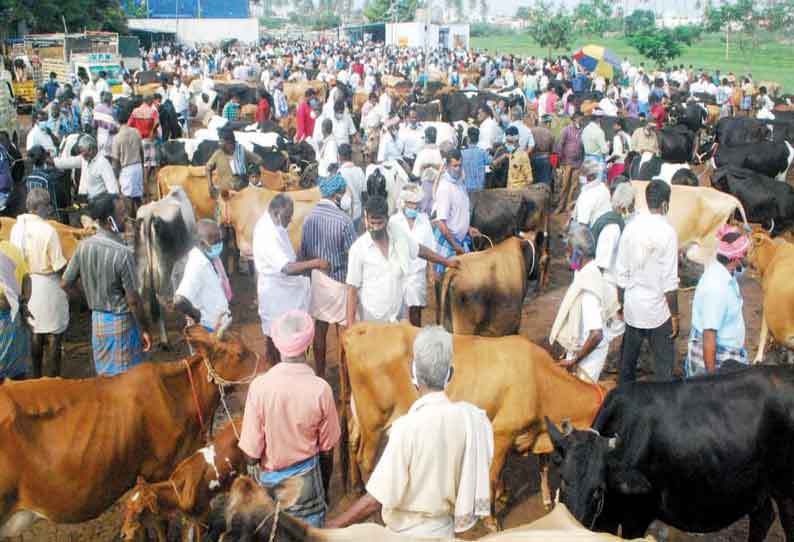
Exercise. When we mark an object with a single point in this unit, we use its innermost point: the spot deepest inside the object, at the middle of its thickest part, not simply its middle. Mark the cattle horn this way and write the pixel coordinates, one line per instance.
(614, 442)
(566, 426)
(225, 322)
(772, 227)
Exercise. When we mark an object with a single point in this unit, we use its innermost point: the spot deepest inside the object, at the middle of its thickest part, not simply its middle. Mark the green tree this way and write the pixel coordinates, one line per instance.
(46, 15)
(551, 30)
(742, 19)
(658, 44)
(522, 12)
(639, 20)
(390, 10)
(594, 16)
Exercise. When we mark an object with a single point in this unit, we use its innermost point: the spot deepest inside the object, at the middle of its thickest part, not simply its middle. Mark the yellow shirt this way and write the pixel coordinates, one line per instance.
(21, 267)
(39, 243)
(519, 174)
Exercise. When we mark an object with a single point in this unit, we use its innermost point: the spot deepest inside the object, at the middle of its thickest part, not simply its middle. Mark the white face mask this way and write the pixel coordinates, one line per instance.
(346, 204)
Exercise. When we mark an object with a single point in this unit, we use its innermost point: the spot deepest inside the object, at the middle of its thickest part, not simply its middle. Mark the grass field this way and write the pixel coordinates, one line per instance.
(771, 61)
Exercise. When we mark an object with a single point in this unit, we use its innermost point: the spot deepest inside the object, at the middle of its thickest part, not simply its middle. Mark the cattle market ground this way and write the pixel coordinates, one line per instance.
(521, 473)
(770, 61)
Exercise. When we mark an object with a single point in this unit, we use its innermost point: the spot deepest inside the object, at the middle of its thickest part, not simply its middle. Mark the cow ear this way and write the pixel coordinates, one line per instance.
(289, 491)
(226, 194)
(558, 439)
(202, 341)
(628, 481)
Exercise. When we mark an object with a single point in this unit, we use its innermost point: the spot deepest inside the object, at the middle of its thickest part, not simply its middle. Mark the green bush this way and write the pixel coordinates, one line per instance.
(488, 29)
(271, 22)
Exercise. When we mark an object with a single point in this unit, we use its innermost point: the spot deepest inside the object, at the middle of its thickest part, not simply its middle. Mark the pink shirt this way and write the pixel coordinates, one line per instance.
(292, 409)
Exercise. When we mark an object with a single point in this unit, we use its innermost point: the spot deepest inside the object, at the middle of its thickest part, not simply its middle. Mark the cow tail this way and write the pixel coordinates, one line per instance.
(154, 305)
(446, 300)
(344, 411)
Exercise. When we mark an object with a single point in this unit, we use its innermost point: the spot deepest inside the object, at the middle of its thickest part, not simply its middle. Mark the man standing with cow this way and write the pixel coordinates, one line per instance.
(106, 269)
(594, 198)
(569, 148)
(231, 162)
(594, 143)
(146, 120)
(541, 151)
(647, 273)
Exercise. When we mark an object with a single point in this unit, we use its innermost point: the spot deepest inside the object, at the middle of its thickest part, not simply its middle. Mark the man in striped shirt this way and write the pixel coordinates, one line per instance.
(328, 233)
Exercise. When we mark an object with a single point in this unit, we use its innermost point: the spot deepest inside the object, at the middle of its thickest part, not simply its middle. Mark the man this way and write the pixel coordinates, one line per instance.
(145, 119)
(412, 136)
(355, 184)
(541, 151)
(201, 295)
(371, 121)
(40, 246)
(521, 122)
(328, 234)
(718, 330)
(658, 112)
(593, 200)
(58, 125)
(40, 135)
(41, 177)
(569, 149)
(281, 286)
(51, 86)
(290, 423)
(327, 149)
(427, 166)
(490, 133)
(306, 114)
(390, 146)
(451, 226)
(594, 142)
(419, 490)
(474, 160)
(647, 272)
(343, 127)
(105, 124)
(280, 104)
(644, 139)
(262, 108)
(96, 173)
(581, 326)
(379, 263)
(231, 163)
(179, 95)
(608, 228)
(101, 85)
(127, 155)
(231, 111)
(106, 269)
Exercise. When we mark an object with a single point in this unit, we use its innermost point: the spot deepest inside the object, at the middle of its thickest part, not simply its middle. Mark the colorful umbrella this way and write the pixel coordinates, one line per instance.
(597, 59)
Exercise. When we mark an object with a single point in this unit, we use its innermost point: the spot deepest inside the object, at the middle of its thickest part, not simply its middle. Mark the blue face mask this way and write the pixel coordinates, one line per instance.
(215, 251)
(739, 272)
(411, 213)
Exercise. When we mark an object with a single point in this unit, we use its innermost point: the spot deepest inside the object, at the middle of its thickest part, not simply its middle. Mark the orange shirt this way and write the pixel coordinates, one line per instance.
(290, 416)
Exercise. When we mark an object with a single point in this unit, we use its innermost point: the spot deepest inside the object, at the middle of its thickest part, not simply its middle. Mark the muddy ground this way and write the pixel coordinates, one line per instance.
(521, 473)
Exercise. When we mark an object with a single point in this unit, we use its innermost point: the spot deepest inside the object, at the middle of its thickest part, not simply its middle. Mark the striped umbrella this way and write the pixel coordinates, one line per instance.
(597, 59)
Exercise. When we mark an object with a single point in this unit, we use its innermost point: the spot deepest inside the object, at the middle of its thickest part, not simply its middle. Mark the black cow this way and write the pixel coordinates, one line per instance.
(301, 153)
(172, 153)
(697, 454)
(765, 200)
(499, 213)
(169, 122)
(428, 112)
(272, 159)
(691, 114)
(225, 92)
(203, 152)
(768, 158)
(608, 125)
(456, 106)
(732, 131)
(676, 173)
(676, 144)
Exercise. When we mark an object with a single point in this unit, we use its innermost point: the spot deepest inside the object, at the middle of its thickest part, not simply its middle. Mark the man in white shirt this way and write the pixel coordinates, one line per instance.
(594, 199)
(96, 176)
(179, 95)
(490, 133)
(378, 264)
(356, 184)
(647, 273)
(101, 85)
(200, 295)
(419, 491)
(608, 228)
(412, 135)
(390, 146)
(281, 286)
(38, 135)
(526, 141)
(343, 127)
(608, 105)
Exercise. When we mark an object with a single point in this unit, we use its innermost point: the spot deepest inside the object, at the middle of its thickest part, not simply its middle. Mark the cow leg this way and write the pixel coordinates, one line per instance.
(785, 510)
(502, 443)
(760, 521)
(545, 491)
(163, 333)
(759, 356)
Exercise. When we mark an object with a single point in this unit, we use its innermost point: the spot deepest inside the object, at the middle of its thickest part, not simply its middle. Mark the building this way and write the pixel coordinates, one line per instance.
(411, 34)
(194, 21)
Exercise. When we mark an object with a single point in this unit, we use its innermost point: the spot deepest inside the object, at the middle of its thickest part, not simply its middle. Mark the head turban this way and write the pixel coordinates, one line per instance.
(735, 249)
(290, 342)
(332, 185)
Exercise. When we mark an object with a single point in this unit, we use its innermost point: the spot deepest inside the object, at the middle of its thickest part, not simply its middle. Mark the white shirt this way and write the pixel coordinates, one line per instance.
(490, 134)
(389, 147)
(101, 86)
(329, 154)
(380, 280)
(356, 184)
(591, 320)
(647, 268)
(96, 176)
(593, 202)
(422, 233)
(37, 136)
(413, 138)
(608, 107)
(429, 156)
(606, 256)
(202, 287)
(179, 97)
(342, 129)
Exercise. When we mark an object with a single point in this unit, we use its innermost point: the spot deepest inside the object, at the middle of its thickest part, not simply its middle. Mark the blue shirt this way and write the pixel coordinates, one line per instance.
(51, 87)
(718, 305)
(474, 160)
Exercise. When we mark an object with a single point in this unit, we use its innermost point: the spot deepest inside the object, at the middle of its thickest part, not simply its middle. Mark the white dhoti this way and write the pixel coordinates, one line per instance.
(328, 299)
(278, 294)
(131, 180)
(416, 289)
(49, 305)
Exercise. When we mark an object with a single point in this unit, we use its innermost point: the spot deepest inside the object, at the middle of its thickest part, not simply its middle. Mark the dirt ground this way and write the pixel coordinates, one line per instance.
(521, 473)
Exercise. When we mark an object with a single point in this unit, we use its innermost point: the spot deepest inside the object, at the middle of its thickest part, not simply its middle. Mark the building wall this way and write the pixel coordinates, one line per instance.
(193, 31)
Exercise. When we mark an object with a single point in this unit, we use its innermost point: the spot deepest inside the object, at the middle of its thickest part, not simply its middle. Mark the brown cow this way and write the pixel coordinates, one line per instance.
(71, 448)
(514, 380)
(248, 112)
(189, 489)
(485, 295)
(295, 91)
(193, 180)
(243, 209)
(774, 261)
(68, 235)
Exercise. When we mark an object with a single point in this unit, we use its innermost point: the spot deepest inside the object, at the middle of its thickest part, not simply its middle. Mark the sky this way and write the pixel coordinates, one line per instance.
(668, 7)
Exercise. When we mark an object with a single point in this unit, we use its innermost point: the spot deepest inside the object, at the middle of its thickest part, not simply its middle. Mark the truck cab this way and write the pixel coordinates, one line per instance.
(101, 62)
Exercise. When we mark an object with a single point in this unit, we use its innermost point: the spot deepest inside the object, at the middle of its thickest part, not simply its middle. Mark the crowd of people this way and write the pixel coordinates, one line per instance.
(362, 261)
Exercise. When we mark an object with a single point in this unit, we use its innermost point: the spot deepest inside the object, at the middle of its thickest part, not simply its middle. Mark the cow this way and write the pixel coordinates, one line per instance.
(456, 106)
(768, 158)
(193, 180)
(765, 200)
(394, 177)
(174, 153)
(296, 91)
(67, 235)
(732, 131)
(692, 115)
(676, 144)
(774, 260)
(662, 450)
(227, 89)
(107, 431)
(428, 112)
(247, 139)
(515, 381)
(648, 167)
(163, 236)
(189, 489)
(484, 296)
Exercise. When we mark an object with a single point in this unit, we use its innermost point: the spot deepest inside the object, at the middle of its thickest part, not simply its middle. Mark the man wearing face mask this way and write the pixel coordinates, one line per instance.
(647, 272)
(510, 167)
(412, 136)
(305, 115)
(280, 284)
(106, 269)
(608, 228)
(417, 490)
(644, 138)
(202, 295)
(97, 176)
(594, 198)
(390, 146)
(328, 234)
(716, 339)
(343, 127)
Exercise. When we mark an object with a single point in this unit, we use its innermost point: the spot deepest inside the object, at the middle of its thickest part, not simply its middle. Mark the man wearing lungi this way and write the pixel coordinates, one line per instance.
(106, 269)
(290, 423)
(432, 479)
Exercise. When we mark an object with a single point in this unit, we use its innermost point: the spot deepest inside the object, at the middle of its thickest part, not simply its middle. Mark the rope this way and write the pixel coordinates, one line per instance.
(275, 522)
(218, 380)
(195, 395)
(487, 239)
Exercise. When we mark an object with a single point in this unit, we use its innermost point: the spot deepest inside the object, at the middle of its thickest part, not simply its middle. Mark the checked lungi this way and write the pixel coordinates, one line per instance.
(116, 342)
(446, 250)
(694, 364)
(310, 506)
(14, 343)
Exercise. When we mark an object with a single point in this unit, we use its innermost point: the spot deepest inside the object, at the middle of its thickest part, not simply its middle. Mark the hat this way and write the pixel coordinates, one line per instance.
(735, 249)
(332, 185)
(292, 333)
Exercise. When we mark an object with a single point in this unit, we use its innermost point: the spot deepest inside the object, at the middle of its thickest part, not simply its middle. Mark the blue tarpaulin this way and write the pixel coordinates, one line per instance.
(186, 9)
